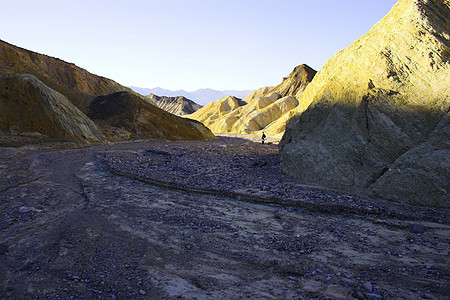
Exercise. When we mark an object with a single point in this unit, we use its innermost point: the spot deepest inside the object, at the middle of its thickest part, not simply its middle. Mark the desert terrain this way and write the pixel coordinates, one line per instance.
(203, 220)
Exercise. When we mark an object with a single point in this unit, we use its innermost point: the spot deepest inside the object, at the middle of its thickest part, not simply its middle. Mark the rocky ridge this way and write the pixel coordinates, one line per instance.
(176, 105)
(77, 84)
(200, 96)
(378, 121)
(62, 94)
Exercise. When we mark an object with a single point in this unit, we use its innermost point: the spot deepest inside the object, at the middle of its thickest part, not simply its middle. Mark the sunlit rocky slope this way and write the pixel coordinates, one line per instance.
(31, 111)
(378, 120)
(44, 99)
(267, 109)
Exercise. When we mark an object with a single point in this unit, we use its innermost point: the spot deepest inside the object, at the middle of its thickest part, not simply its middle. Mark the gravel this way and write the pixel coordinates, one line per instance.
(252, 172)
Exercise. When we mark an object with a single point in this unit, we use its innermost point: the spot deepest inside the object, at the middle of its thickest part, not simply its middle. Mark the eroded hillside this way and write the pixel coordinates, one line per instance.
(77, 84)
(125, 116)
(267, 109)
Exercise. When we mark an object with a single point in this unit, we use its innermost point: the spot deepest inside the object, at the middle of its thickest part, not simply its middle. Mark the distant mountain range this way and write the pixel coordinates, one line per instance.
(201, 96)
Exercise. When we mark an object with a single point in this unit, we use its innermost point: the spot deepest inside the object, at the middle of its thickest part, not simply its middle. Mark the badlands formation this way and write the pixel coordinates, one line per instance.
(266, 109)
(175, 105)
(47, 100)
(375, 119)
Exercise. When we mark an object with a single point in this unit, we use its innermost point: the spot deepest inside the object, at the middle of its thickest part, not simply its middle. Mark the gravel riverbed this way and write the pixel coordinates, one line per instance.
(203, 220)
(248, 171)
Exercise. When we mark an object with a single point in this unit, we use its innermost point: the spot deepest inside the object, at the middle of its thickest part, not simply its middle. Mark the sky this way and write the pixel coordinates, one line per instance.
(190, 44)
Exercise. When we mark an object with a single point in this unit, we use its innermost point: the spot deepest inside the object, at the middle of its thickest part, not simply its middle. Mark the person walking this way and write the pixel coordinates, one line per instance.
(263, 138)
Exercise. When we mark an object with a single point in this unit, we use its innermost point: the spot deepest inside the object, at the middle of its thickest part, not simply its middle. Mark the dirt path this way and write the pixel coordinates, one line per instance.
(70, 227)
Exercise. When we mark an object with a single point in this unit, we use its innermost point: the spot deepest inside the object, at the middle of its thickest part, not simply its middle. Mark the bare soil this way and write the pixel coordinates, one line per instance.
(203, 220)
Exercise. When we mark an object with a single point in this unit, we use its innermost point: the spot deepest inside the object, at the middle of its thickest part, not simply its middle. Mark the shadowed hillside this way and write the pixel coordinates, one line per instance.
(124, 115)
(31, 112)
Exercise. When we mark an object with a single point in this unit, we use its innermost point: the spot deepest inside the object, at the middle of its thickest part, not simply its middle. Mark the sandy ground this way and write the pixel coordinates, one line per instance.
(270, 139)
(72, 228)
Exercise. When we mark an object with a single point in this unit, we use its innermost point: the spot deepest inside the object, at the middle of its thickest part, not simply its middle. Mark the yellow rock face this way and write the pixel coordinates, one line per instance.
(267, 109)
(374, 120)
(216, 111)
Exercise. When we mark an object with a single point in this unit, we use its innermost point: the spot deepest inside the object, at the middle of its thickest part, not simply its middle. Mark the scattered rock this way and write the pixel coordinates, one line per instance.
(372, 296)
(368, 286)
(3, 249)
(210, 170)
(417, 228)
(135, 235)
(358, 294)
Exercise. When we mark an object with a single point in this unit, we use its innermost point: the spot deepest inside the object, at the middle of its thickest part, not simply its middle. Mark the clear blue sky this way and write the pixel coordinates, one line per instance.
(190, 44)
